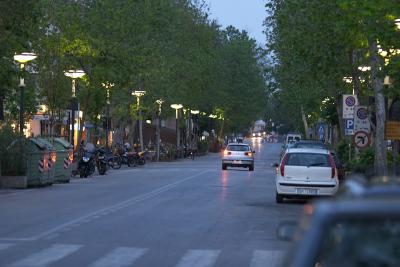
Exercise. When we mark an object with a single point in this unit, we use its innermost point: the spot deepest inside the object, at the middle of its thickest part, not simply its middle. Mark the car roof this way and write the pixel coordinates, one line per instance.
(308, 150)
(238, 144)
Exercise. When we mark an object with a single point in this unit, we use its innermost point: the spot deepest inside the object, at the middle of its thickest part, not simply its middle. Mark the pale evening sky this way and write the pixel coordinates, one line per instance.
(243, 14)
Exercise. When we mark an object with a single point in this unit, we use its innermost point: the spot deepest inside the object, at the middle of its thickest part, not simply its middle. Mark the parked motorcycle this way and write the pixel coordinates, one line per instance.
(141, 158)
(87, 164)
(101, 161)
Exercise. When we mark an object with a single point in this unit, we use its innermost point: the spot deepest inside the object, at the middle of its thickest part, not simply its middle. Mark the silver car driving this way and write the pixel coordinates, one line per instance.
(238, 155)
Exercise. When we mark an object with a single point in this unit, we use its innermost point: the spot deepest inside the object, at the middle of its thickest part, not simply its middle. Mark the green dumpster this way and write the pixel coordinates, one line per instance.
(63, 164)
(41, 158)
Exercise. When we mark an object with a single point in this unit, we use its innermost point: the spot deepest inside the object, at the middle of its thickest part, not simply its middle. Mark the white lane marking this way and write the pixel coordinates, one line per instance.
(271, 258)
(123, 204)
(5, 246)
(47, 256)
(199, 258)
(120, 257)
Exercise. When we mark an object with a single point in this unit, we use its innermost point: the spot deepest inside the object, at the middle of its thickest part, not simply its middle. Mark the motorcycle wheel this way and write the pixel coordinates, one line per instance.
(102, 168)
(82, 172)
(132, 162)
(115, 162)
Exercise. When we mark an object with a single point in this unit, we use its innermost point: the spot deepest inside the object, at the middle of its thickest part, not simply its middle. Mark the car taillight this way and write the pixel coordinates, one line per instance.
(333, 166)
(285, 158)
(226, 152)
(248, 154)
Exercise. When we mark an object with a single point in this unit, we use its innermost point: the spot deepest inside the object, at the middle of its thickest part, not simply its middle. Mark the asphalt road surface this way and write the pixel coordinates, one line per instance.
(183, 213)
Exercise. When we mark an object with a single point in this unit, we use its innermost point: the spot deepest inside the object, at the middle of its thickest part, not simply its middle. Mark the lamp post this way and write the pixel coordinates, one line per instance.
(22, 59)
(138, 95)
(74, 74)
(177, 107)
(108, 86)
(158, 128)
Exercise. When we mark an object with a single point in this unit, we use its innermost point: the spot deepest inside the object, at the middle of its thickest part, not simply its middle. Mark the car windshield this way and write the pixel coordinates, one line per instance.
(238, 148)
(361, 243)
(307, 159)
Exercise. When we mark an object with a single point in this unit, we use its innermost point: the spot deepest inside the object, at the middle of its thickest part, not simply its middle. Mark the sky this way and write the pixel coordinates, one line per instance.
(243, 14)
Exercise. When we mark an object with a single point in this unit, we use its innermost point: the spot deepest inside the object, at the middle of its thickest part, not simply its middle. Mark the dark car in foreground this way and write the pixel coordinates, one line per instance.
(360, 228)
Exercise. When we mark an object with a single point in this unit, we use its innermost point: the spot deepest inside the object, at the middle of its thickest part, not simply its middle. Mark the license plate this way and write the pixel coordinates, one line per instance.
(307, 191)
(237, 161)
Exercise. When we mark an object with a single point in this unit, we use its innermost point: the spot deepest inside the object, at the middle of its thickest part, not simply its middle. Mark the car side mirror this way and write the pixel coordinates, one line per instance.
(254, 152)
(287, 230)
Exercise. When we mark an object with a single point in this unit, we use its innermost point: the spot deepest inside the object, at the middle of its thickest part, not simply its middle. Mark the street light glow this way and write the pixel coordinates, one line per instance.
(195, 112)
(397, 23)
(74, 74)
(176, 106)
(138, 93)
(364, 68)
(24, 57)
(348, 79)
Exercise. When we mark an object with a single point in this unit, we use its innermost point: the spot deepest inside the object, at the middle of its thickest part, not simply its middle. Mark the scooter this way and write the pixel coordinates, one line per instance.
(141, 157)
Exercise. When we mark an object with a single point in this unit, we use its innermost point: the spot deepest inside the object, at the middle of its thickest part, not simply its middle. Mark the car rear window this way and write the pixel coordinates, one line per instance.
(307, 159)
(310, 145)
(238, 148)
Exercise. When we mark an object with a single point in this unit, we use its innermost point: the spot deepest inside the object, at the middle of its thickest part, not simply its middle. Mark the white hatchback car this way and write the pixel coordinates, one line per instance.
(306, 172)
(238, 155)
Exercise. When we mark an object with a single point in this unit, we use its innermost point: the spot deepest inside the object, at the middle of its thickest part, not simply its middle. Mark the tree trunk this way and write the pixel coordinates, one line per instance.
(304, 118)
(1, 108)
(377, 84)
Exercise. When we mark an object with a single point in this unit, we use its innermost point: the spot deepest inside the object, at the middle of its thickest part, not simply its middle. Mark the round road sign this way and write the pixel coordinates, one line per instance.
(362, 113)
(361, 139)
(350, 101)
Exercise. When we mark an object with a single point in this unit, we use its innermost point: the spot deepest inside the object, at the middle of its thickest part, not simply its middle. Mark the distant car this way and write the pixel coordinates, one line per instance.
(304, 173)
(292, 137)
(360, 228)
(238, 155)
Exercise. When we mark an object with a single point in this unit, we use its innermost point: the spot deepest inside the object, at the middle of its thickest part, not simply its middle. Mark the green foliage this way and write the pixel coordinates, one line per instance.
(202, 146)
(12, 153)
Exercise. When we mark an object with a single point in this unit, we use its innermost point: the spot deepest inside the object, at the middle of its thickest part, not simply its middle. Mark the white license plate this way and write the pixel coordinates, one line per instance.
(307, 191)
(237, 162)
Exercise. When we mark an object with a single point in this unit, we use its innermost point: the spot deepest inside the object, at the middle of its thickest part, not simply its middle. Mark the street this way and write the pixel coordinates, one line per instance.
(181, 213)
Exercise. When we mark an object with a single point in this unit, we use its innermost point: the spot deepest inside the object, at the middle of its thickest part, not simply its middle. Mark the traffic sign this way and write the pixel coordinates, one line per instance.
(362, 139)
(361, 119)
(349, 127)
(349, 102)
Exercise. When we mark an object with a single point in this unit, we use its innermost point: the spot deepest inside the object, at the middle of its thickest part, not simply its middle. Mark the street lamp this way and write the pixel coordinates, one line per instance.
(158, 133)
(397, 23)
(74, 74)
(108, 86)
(177, 107)
(138, 95)
(22, 59)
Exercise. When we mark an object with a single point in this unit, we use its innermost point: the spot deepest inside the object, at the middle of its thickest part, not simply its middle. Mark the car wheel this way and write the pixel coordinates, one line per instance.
(279, 198)
(224, 166)
(251, 168)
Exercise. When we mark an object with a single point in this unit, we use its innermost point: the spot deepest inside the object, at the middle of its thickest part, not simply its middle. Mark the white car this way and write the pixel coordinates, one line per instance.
(306, 172)
(238, 155)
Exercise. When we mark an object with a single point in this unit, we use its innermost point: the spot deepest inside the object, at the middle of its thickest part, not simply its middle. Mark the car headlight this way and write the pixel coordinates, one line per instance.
(85, 159)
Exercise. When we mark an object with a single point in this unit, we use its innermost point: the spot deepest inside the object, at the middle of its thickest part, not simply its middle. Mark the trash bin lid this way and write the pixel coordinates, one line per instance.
(41, 143)
(63, 142)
